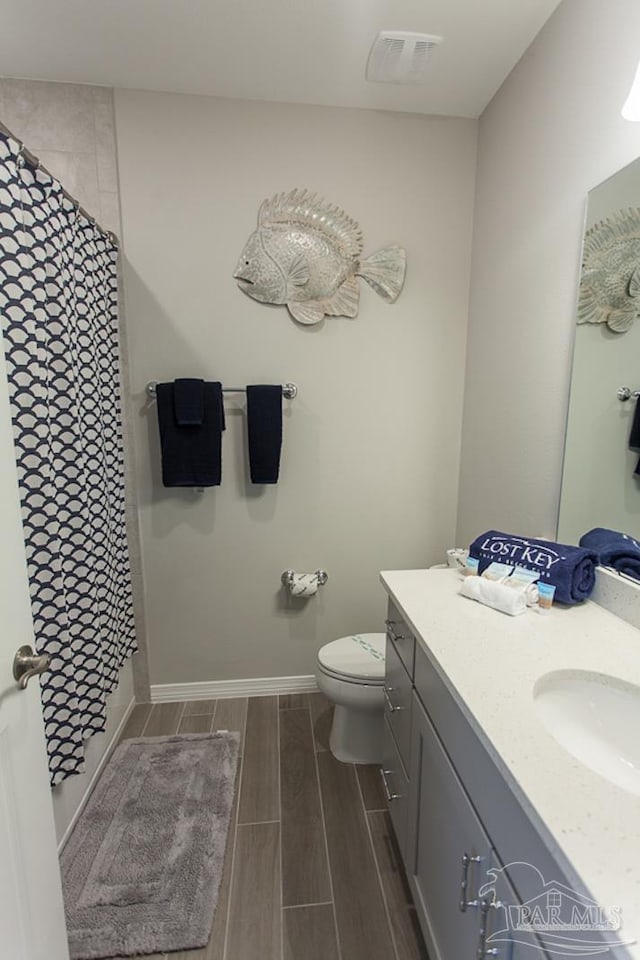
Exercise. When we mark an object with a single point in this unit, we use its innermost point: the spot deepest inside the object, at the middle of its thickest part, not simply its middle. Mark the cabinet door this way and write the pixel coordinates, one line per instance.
(443, 829)
(500, 933)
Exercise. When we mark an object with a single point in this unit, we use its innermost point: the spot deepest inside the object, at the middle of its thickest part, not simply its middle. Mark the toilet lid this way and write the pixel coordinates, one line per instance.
(361, 656)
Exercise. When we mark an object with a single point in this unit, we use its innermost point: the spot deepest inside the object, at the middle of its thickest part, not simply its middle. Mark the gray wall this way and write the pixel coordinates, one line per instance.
(371, 449)
(552, 132)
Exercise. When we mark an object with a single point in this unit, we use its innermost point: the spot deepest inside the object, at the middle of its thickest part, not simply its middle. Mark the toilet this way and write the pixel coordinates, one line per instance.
(350, 673)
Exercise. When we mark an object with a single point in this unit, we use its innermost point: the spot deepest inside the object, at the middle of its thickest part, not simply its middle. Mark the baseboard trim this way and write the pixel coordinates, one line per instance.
(94, 779)
(222, 689)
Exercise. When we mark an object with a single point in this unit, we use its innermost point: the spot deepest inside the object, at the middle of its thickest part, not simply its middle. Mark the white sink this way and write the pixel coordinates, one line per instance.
(597, 719)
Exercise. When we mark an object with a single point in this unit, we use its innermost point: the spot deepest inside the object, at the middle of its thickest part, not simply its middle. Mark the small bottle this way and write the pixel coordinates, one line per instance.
(471, 567)
(546, 592)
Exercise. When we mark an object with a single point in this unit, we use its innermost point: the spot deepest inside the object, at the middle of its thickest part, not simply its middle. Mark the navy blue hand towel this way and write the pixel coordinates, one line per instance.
(191, 454)
(264, 429)
(617, 550)
(571, 570)
(188, 402)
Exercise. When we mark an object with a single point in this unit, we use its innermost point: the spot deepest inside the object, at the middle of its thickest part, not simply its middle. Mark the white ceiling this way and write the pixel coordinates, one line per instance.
(304, 51)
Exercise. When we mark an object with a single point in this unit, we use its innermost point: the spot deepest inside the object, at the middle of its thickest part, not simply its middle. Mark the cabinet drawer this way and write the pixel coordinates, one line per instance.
(401, 637)
(397, 702)
(396, 786)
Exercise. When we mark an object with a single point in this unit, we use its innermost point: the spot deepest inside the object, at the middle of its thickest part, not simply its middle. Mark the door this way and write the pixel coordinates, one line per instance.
(31, 910)
(448, 851)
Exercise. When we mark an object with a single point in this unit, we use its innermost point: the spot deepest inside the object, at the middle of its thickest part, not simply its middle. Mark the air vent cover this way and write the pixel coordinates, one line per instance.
(400, 57)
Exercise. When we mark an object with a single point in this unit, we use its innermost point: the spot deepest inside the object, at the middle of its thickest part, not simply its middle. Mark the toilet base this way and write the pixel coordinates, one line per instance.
(356, 735)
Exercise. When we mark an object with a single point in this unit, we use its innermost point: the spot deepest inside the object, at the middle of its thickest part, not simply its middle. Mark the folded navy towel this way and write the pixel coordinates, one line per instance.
(264, 429)
(617, 550)
(188, 402)
(191, 454)
(571, 570)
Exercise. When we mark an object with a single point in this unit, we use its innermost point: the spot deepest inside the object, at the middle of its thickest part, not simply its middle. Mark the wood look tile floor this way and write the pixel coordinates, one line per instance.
(311, 870)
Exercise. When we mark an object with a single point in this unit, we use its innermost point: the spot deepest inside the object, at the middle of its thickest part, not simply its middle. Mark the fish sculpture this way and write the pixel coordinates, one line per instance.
(610, 282)
(306, 254)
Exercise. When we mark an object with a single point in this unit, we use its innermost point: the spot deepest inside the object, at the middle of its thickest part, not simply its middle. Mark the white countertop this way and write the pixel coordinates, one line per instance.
(490, 663)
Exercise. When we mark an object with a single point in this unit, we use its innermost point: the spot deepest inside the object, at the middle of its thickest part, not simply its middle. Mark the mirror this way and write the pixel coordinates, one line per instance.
(599, 486)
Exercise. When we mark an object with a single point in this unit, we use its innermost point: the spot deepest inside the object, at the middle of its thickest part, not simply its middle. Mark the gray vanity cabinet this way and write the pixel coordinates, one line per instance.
(448, 850)
(452, 813)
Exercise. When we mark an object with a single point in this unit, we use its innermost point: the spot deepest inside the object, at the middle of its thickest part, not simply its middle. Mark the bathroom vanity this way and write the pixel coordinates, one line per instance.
(485, 718)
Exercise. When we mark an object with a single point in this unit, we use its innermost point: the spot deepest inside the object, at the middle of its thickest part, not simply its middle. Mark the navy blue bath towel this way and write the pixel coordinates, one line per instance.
(617, 550)
(264, 429)
(571, 570)
(191, 421)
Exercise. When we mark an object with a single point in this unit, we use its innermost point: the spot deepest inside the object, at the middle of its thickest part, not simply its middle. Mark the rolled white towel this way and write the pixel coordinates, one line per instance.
(500, 596)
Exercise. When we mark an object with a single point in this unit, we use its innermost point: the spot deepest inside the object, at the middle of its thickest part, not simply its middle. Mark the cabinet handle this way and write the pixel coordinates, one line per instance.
(393, 708)
(481, 951)
(390, 796)
(463, 903)
(392, 633)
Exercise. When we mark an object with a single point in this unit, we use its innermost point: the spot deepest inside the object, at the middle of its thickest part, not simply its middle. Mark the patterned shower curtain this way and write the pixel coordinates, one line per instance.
(59, 307)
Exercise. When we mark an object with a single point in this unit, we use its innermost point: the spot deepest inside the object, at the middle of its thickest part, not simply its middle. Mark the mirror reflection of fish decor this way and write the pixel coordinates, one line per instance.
(610, 282)
(306, 254)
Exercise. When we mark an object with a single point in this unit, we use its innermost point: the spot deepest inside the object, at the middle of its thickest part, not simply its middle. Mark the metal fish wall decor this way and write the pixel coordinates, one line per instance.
(306, 254)
(610, 282)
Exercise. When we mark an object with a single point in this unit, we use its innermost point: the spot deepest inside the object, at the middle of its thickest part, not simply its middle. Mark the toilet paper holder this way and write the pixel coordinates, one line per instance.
(288, 575)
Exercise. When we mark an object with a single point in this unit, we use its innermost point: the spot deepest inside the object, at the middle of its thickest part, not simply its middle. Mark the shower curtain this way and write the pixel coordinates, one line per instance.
(59, 307)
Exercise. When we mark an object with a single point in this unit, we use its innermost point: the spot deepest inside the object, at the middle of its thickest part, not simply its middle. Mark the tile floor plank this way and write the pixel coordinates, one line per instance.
(293, 701)
(231, 714)
(404, 922)
(305, 874)
(215, 947)
(321, 717)
(201, 723)
(371, 786)
(363, 930)
(260, 788)
(255, 915)
(310, 933)
(164, 719)
(136, 721)
(194, 708)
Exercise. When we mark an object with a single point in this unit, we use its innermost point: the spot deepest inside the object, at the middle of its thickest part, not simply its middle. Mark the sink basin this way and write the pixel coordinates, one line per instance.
(597, 719)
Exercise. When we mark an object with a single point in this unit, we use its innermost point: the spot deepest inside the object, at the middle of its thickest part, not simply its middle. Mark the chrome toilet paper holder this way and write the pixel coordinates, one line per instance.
(288, 575)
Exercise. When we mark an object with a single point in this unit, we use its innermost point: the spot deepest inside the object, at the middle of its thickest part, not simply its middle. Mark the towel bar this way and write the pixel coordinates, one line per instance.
(289, 390)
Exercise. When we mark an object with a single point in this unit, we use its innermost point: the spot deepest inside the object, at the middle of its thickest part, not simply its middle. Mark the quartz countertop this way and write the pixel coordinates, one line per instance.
(490, 662)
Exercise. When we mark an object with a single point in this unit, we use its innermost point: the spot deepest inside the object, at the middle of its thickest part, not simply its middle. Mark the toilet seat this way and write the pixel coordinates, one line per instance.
(358, 659)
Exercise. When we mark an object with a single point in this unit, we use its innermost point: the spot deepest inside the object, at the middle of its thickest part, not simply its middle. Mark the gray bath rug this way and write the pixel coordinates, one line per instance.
(142, 867)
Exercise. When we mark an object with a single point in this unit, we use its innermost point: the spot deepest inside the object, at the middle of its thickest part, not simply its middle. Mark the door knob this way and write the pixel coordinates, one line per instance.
(27, 664)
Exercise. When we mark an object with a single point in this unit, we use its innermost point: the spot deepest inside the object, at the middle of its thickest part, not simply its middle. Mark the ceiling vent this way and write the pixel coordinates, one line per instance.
(400, 57)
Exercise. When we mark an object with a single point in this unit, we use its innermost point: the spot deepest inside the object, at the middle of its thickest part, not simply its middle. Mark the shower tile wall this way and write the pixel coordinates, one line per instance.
(70, 127)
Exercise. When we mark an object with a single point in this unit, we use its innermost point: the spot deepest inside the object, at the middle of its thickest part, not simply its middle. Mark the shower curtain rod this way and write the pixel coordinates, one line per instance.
(33, 161)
